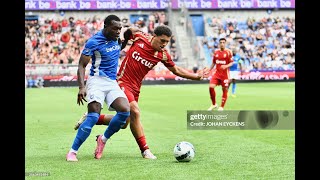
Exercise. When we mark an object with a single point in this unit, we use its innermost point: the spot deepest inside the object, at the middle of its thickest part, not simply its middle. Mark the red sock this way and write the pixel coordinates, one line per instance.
(142, 143)
(100, 120)
(212, 95)
(224, 97)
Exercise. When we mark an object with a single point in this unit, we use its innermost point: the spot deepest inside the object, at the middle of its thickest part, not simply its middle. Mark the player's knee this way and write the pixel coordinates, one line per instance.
(92, 119)
(124, 108)
(121, 105)
(94, 107)
(135, 113)
(212, 85)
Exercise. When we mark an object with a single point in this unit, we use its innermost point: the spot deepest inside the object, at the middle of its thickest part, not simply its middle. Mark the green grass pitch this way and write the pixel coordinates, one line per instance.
(50, 114)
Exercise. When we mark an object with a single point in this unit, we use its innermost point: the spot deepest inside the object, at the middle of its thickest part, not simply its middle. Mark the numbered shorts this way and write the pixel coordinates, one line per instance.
(103, 89)
(224, 82)
(234, 74)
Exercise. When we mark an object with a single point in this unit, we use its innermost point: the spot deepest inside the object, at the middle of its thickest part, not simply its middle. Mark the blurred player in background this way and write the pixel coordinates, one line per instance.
(145, 53)
(104, 50)
(222, 58)
(235, 69)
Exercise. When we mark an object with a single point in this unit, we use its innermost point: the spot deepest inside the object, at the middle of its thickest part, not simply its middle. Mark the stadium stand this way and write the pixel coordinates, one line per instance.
(265, 40)
(263, 44)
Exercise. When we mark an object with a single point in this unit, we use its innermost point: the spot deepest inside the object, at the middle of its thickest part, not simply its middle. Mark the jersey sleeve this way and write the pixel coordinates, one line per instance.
(166, 59)
(89, 48)
(214, 57)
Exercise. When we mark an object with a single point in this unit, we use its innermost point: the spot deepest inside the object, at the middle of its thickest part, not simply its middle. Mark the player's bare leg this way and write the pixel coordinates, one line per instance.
(137, 131)
(212, 97)
(224, 98)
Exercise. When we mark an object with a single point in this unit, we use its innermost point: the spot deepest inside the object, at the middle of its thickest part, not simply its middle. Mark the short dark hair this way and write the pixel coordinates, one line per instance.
(110, 18)
(162, 30)
(221, 39)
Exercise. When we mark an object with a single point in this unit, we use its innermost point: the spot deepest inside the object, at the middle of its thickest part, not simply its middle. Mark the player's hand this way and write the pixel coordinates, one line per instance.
(81, 96)
(224, 67)
(204, 73)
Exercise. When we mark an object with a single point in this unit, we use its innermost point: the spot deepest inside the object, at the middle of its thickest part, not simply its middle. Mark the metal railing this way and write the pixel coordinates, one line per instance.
(51, 69)
(172, 23)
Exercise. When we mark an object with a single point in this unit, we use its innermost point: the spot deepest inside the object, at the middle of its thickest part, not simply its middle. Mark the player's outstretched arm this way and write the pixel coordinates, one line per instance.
(184, 73)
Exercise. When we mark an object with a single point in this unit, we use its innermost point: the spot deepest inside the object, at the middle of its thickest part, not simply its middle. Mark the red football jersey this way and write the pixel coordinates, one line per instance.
(139, 60)
(222, 58)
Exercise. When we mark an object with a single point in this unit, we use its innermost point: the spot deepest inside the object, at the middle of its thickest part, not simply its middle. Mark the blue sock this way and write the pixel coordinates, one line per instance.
(116, 123)
(233, 88)
(85, 130)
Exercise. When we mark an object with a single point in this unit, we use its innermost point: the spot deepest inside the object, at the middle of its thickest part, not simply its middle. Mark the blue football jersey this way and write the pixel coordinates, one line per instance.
(104, 54)
(236, 61)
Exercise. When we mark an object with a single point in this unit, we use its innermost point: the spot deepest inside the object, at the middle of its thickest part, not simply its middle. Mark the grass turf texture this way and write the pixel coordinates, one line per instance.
(51, 113)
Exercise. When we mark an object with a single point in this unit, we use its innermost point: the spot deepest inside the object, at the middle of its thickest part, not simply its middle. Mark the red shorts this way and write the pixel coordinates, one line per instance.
(224, 82)
(130, 93)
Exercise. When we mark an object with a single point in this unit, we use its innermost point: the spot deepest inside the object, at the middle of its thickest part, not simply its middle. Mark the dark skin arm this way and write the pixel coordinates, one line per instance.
(127, 34)
(83, 62)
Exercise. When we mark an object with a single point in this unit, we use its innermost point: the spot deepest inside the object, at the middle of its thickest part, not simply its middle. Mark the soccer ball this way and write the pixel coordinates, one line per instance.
(183, 151)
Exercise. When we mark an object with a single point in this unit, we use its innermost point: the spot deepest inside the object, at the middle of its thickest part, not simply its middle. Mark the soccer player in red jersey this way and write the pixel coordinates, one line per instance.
(222, 59)
(145, 52)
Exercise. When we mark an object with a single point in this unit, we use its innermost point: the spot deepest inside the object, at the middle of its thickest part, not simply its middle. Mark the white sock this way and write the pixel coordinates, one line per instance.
(104, 139)
(74, 151)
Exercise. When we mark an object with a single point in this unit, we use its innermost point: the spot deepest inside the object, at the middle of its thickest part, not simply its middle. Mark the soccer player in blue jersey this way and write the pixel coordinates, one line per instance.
(103, 49)
(235, 69)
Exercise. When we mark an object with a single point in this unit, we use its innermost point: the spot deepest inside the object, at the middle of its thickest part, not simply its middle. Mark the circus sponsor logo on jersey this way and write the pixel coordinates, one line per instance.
(221, 62)
(113, 48)
(136, 56)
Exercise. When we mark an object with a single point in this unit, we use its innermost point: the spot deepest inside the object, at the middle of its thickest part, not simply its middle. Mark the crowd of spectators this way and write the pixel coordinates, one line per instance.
(263, 44)
(60, 41)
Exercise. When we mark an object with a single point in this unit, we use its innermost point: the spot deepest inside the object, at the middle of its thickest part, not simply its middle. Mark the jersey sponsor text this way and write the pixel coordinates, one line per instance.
(137, 57)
